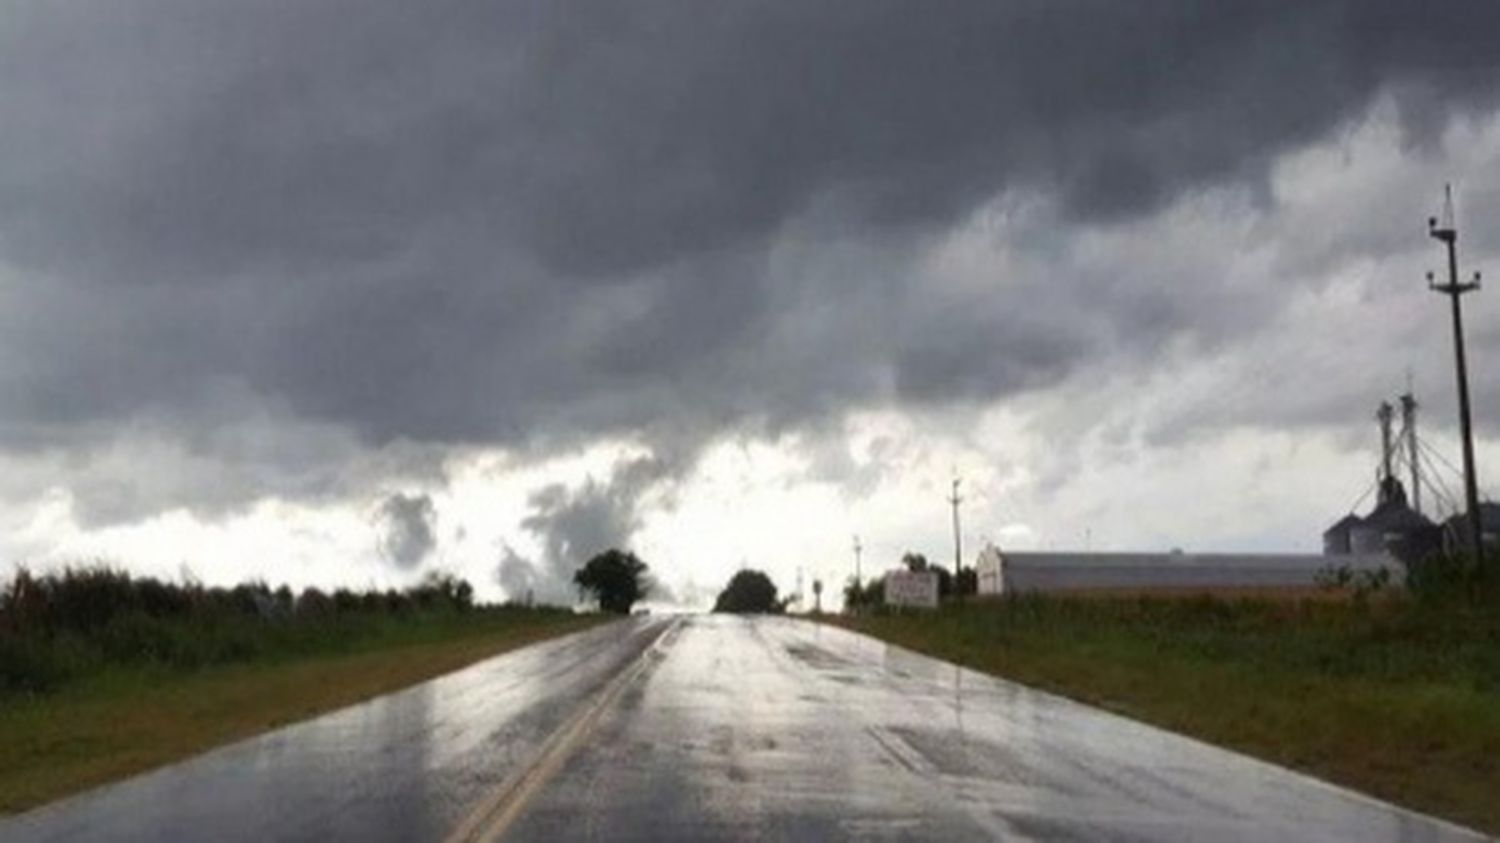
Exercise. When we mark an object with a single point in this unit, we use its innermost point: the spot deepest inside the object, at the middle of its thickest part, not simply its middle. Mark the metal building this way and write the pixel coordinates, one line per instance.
(1336, 539)
(1008, 572)
(1455, 530)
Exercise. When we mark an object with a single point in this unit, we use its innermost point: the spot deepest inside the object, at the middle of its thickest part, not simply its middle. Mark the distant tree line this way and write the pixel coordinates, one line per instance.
(58, 626)
(81, 600)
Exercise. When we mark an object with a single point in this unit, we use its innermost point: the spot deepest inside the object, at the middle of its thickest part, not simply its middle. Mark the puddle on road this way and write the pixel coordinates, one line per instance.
(817, 657)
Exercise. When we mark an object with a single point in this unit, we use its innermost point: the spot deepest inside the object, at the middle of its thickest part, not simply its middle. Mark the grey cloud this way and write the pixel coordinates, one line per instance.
(518, 223)
(573, 524)
(407, 525)
(131, 471)
(518, 576)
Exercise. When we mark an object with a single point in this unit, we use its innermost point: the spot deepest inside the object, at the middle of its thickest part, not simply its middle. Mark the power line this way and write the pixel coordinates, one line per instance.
(1452, 500)
(1436, 484)
(1365, 494)
(1458, 472)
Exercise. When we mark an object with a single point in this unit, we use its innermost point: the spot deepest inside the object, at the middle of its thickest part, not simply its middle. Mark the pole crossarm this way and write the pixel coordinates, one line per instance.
(1455, 289)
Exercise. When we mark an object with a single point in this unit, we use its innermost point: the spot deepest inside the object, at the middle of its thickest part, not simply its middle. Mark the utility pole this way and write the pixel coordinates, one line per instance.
(857, 549)
(958, 553)
(1409, 424)
(1447, 232)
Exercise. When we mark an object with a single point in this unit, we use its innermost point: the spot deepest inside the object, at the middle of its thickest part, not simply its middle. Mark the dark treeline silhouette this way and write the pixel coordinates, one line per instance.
(863, 595)
(60, 626)
(615, 579)
(749, 592)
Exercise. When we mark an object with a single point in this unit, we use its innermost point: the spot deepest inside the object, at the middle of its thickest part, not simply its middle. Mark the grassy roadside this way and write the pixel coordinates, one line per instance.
(1391, 698)
(124, 720)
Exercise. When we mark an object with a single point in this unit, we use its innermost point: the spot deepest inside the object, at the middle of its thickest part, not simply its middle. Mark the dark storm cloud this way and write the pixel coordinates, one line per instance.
(573, 524)
(407, 525)
(500, 222)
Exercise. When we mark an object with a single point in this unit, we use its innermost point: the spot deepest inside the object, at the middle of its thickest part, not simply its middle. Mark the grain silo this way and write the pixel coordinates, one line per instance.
(1336, 539)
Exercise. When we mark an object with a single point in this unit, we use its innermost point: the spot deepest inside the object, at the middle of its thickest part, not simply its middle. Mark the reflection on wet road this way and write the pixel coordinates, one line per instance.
(725, 729)
(407, 766)
(785, 730)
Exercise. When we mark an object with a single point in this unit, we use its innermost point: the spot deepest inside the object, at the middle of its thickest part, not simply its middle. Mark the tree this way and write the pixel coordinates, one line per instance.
(859, 596)
(967, 581)
(615, 578)
(748, 592)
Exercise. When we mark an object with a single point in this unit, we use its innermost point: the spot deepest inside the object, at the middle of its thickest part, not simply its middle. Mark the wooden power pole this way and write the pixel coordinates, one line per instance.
(1446, 231)
(958, 551)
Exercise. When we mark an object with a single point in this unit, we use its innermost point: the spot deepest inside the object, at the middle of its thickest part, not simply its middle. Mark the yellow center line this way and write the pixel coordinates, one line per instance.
(498, 811)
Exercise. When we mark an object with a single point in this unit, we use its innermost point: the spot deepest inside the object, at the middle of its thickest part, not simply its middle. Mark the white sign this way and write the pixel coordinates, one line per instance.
(908, 588)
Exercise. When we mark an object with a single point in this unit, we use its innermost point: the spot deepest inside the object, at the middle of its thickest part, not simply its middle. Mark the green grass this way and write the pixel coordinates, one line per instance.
(1392, 697)
(118, 708)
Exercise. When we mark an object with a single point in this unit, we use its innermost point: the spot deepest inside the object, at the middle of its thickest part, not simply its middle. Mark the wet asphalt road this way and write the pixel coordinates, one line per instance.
(717, 728)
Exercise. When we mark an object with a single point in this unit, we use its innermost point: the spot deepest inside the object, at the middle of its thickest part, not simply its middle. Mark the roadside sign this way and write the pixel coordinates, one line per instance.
(918, 589)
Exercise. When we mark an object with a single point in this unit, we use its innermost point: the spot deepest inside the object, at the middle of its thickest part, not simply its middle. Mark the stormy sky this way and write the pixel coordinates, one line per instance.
(344, 291)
